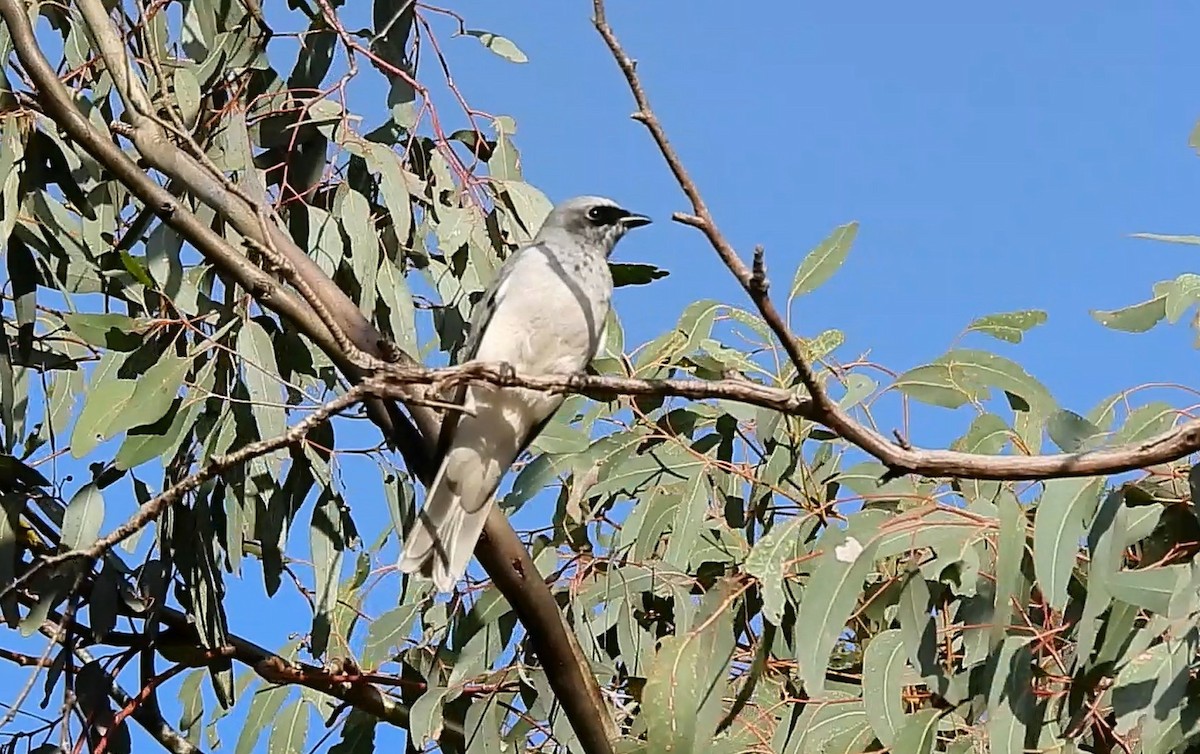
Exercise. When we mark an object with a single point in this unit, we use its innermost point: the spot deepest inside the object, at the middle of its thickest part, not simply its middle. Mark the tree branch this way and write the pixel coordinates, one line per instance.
(902, 458)
(500, 550)
(149, 718)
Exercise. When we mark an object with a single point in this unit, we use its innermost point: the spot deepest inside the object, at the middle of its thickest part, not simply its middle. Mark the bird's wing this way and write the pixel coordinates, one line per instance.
(481, 316)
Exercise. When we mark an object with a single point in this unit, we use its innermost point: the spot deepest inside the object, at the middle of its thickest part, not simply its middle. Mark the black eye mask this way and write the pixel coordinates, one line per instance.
(606, 215)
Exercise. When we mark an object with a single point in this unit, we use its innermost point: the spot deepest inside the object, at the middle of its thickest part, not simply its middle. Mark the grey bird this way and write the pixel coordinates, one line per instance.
(543, 314)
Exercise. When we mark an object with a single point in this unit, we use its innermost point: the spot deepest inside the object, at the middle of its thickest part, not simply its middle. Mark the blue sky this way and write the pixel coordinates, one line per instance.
(997, 158)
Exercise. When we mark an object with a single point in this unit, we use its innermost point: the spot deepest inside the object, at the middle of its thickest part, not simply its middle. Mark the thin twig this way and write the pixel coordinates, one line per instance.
(899, 458)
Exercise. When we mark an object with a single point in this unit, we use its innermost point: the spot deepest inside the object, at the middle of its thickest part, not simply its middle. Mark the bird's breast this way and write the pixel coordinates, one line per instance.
(549, 315)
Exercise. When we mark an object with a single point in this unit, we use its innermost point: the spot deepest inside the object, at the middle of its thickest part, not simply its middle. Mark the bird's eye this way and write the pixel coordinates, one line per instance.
(596, 215)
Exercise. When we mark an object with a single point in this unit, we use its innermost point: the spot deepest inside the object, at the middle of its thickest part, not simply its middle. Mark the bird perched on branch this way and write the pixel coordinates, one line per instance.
(543, 314)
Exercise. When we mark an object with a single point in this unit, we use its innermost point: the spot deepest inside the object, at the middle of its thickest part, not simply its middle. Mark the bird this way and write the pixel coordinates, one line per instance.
(542, 314)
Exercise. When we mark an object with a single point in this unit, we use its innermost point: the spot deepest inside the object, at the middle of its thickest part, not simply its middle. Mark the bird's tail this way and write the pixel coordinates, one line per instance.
(441, 541)
(485, 444)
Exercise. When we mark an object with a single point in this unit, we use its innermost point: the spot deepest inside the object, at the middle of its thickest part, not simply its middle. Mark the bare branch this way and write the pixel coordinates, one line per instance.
(331, 319)
(900, 458)
(150, 719)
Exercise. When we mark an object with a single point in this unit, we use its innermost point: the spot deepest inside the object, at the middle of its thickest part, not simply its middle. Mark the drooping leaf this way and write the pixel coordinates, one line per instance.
(327, 542)
(1063, 515)
(919, 733)
(264, 708)
(687, 682)
(829, 599)
(260, 376)
(883, 684)
(83, 517)
(1010, 701)
(767, 562)
(289, 729)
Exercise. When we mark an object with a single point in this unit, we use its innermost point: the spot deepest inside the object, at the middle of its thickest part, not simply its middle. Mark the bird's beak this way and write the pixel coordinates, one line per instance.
(634, 220)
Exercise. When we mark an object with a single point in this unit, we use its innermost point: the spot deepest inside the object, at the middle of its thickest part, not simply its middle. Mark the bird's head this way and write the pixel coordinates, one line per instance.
(594, 220)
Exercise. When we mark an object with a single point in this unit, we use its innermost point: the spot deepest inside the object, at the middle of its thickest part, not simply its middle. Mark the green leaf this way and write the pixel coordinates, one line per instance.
(425, 718)
(289, 729)
(831, 715)
(1162, 590)
(1136, 318)
(264, 708)
(1009, 326)
(114, 331)
(966, 375)
(917, 627)
(829, 599)
(1182, 292)
(191, 699)
(767, 563)
(354, 213)
(689, 519)
(83, 517)
(823, 261)
(133, 265)
(187, 96)
(687, 681)
(1063, 516)
(528, 203)
(111, 406)
(988, 434)
(388, 632)
(1168, 238)
(883, 685)
(1145, 422)
(1154, 682)
(149, 441)
(327, 542)
(260, 375)
(384, 161)
(1070, 431)
(1010, 553)
(625, 273)
(560, 436)
(919, 733)
(395, 293)
(325, 243)
(499, 45)
(1010, 701)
